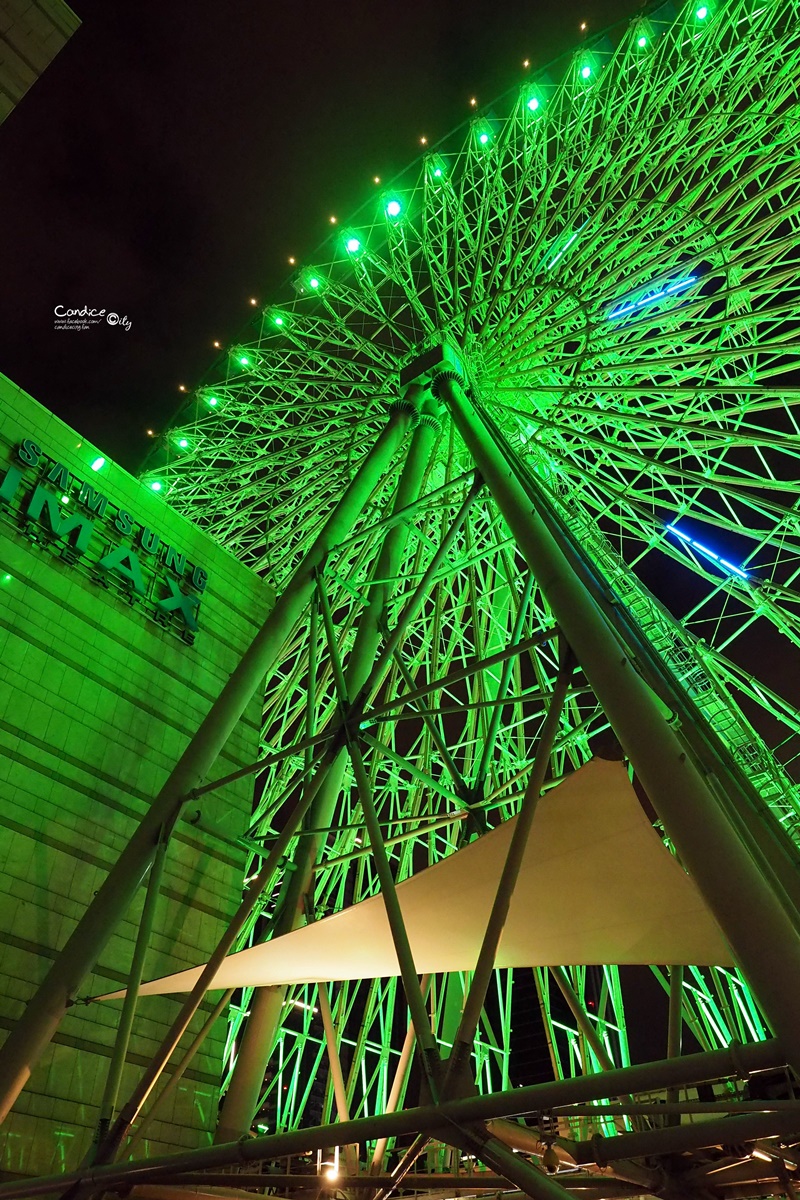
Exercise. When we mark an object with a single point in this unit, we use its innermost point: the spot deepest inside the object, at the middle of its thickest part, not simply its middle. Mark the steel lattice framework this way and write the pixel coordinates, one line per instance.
(612, 252)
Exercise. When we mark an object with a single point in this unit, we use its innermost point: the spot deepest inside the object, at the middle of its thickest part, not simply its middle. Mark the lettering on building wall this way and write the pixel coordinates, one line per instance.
(75, 520)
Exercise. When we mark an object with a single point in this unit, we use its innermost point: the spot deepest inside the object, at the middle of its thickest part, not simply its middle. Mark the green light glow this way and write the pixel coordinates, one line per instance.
(352, 245)
(245, 362)
(156, 485)
(394, 208)
(483, 138)
(213, 401)
(533, 103)
(7, 578)
(641, 42)
(309, 280)
(65, 499)
(278, 320)
(183, 443)
(701, 13)
(98, 463)
(586, 71)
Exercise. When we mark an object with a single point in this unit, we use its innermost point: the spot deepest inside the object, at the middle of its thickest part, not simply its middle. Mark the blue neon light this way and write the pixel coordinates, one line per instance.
(564, 248)
(723, 562)
(668, 290)
(549, 265)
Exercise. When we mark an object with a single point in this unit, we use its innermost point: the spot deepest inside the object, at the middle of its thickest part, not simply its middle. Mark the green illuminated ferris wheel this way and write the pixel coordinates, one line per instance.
(563, 345)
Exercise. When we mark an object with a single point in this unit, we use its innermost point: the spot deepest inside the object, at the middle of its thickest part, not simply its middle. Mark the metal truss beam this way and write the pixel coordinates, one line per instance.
(436, 1120)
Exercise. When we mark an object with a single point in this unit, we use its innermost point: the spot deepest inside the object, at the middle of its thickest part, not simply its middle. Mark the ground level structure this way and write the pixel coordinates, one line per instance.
(119, 623)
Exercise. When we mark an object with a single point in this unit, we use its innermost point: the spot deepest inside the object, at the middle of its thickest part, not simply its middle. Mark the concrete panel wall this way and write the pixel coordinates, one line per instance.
(97, 701)
(31, 34)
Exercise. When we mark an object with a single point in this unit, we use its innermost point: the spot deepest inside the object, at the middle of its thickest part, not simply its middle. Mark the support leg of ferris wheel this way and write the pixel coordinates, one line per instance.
(244, 1091)
(45, 1010)
(394, 637)
(761, 933)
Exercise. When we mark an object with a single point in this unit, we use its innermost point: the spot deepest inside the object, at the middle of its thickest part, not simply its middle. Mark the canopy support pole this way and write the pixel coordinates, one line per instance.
(426, 1041)
(108, 1105)
(465, 1035)
(335, 1064)
(180, 1070)
(399, 1080)
(675, 1029)
(411, 984)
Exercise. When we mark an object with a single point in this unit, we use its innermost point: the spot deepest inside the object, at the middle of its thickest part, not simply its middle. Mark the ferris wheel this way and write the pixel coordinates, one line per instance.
(597, 279)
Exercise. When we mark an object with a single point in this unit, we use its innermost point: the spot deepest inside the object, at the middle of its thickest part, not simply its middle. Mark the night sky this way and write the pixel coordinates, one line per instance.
(174, 155)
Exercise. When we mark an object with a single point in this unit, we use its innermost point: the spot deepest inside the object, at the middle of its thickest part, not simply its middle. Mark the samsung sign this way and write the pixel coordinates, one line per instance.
(141, 566)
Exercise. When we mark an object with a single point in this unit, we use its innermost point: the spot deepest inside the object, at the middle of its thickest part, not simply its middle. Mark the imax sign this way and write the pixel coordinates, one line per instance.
(108, 538)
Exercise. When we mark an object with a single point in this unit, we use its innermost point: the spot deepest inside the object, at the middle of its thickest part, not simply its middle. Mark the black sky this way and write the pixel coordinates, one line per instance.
(174, 155)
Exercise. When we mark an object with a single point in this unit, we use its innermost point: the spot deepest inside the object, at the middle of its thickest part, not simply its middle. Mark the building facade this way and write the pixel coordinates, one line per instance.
(119, 624)
(31, 34)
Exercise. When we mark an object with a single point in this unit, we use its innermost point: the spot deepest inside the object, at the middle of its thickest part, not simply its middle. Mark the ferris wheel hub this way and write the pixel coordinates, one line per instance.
(430, 363)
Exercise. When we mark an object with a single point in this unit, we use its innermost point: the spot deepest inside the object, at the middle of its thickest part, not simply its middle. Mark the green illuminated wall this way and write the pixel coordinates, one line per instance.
(31, 35)
(97, 700)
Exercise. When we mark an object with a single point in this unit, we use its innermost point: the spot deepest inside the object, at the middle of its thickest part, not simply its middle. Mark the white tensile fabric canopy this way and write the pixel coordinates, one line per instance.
(596, 886)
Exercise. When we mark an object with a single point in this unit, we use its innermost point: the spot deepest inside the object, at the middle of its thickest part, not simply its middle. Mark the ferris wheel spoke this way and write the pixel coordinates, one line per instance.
(695, 216)
(698, 559)
(730, 486)
(706, 427)
(642, 498)
(772, 355)
(713, 124)
(653, 326)
(693, 440)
